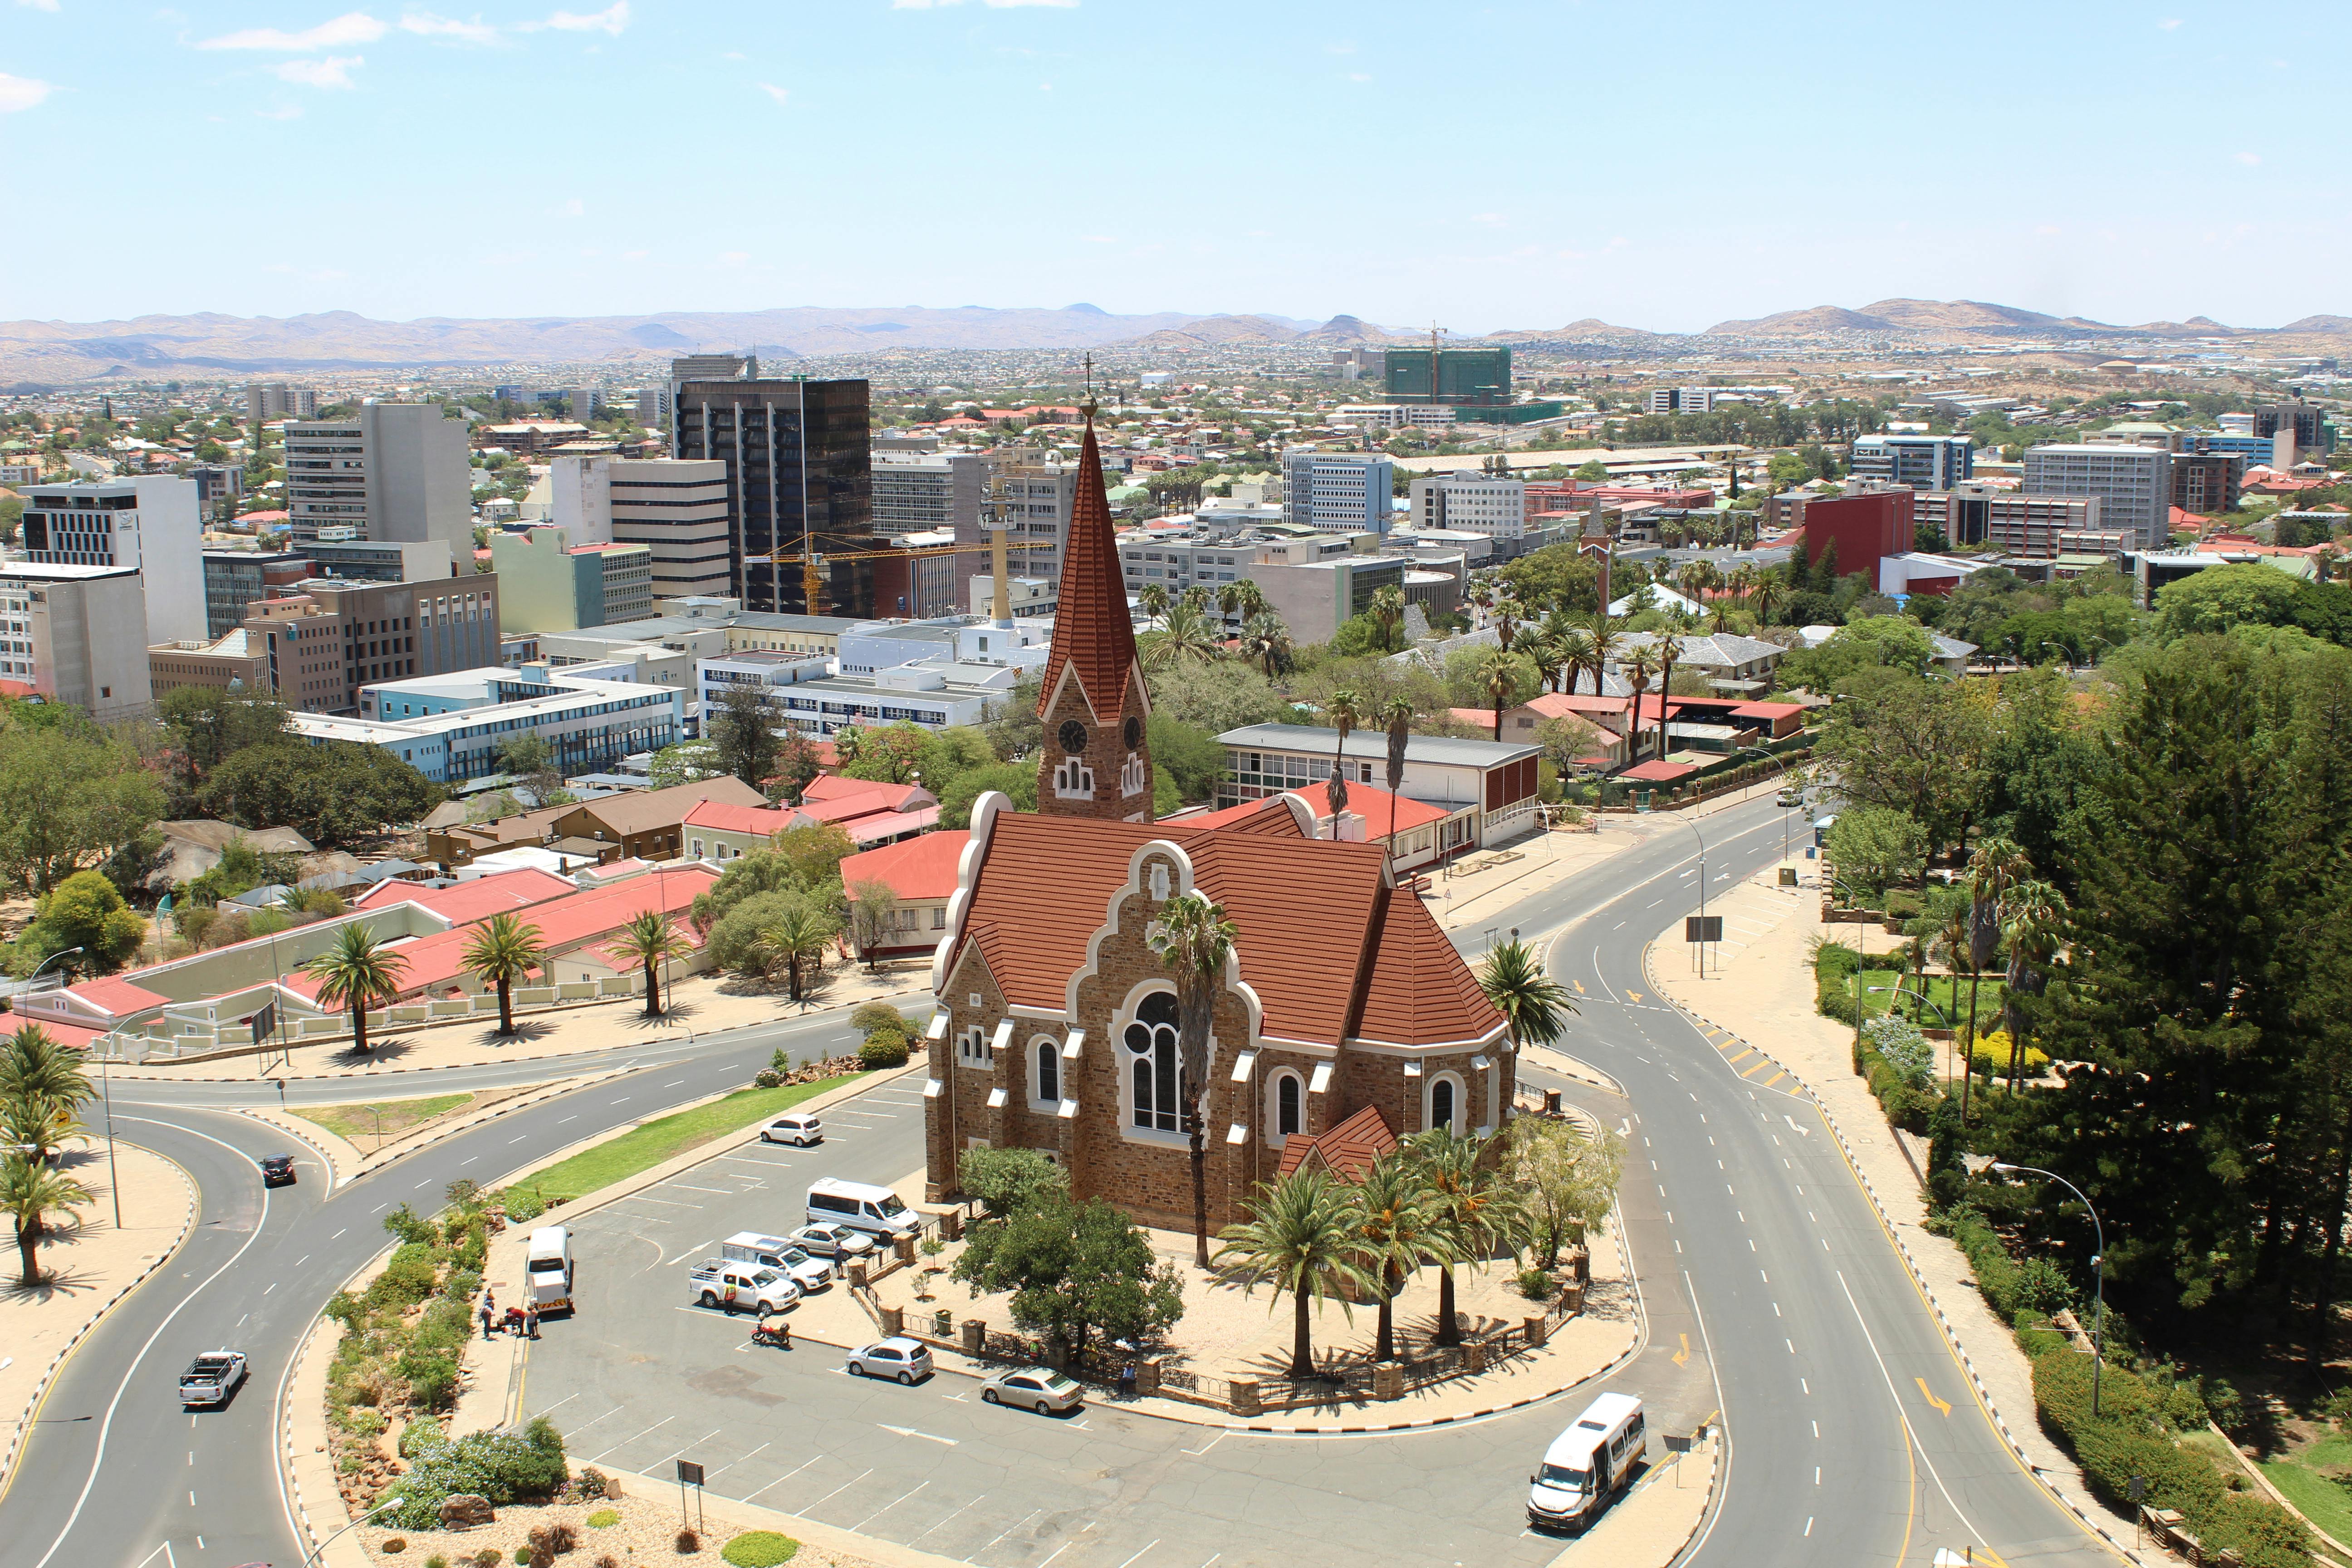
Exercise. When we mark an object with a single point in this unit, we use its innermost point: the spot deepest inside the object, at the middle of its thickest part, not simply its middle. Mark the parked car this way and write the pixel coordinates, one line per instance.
(835, 1241)
(212, 1377)
(1587, 1464)
(277, 1170)
(549, 1267)
(1041, 1389)
(798, 1129)
(861, 1206)
(899, 1357)
(778, 1253)
(762, 1288)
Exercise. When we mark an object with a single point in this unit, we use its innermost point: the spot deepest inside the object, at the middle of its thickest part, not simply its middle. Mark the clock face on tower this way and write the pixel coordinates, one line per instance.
(1133, 734)
(1073, 736)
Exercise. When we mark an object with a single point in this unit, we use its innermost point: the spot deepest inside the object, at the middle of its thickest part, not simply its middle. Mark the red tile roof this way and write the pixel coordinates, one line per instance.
(116, 996)
(1092, 633)
(72, 1035)
(920, 867)
(473, 900)
(1658, 771)
(1316, 924)
(1347, 1150)
(1363, 800)
(1767, 709)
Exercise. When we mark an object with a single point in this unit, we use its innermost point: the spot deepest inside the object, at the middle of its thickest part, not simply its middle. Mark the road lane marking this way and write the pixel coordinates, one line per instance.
(1155, 1540)
(1682, 1356)
(1195, 1453)
(910, 1432)
(1944, 1407)
(1911, 1438)
(1030, 1515)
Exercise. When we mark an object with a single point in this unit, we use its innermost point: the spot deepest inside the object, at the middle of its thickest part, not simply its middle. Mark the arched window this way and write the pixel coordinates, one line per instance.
(1441, 1103)
(1158, 1075)
(1289, 1109)
(1049, 1072)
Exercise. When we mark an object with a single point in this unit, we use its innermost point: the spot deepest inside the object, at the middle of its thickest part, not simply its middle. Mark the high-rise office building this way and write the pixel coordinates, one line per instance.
(1339, 492)
(1483, 503)
(76, 634)
(2307, 422)
(265, 400)
(1682, 399)
(675, 509)
(150, 525)
(1034, 493)
(1463, 377)
(798, 480)
(2134, 484)
(551, 584)
(916, 492)
(392, 471)
(1923, 462)
(2207, 482)
(333, 638)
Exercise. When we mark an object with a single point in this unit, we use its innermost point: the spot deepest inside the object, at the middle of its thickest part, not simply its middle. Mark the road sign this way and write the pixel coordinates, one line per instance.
(1702, 928)
(1680, 1445)
(689, 1473)
(2139, 1489)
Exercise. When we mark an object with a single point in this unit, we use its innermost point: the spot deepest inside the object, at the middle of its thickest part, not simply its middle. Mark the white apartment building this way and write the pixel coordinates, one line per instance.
(151, 525)
(76, 635)
(921, 492)
(1683, 399)
(1389, 415)
(265, 400)
(676, 507)
(2134, 484)
(1477, 503)
(1339, 492)
(1034, 493)
(393, 470)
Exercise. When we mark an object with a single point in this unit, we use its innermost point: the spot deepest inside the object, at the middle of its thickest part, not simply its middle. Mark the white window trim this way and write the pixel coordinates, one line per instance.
(1275, 1136)
(1043, 1104)
(1073, 779)
(1429, 1099)
(1130, 775)
(1125, 1060)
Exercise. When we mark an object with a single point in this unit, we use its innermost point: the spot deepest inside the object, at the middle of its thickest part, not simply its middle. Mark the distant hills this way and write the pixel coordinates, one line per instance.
(61, 352)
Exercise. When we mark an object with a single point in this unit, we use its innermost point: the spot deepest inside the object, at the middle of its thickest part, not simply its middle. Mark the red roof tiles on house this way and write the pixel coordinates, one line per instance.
(1658, 771)
(1092, 633)
(920, 867)
(473, 900)
(1347, 1150)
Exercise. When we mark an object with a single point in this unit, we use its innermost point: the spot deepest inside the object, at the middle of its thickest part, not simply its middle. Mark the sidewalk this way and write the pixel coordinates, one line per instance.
(1536, 862)
(89, 1270)
(1650, 1524)
(698, 1003)
(1762, 994)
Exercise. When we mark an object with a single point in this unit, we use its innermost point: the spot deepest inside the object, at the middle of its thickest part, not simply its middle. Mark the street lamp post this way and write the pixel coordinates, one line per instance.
(2099, 1266)
(1691, 824)
(313, 1555)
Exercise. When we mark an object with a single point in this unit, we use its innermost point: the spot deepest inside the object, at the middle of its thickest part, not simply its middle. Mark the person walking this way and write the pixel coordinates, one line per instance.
(488, 1317)
(530, 1320)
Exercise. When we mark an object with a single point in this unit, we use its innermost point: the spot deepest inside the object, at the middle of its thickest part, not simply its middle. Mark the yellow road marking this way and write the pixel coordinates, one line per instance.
(1942, 1406)
(1774, 1078)
(1761, 1063)
(1742, 1055)
(1632, 995)
(1580, 987)
(1682, 1356)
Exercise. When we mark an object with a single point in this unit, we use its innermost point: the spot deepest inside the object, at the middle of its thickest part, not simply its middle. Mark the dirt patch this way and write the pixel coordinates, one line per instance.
(645, 1532)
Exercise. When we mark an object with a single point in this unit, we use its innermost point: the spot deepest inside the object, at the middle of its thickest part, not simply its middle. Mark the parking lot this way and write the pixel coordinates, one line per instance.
(640, 1376)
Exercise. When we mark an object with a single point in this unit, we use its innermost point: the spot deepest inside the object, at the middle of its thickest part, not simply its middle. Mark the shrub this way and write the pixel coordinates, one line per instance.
(2043, 1286)
(523, 1206)
(563, 1538)
(408, 1278)
(882, 1051)
(605, 1519)
(1999, 1278)
(870, 1018)
(766, 1077)
(436, 1561)
(501, 1466)
(524, 1554)
(1535, 1284)
(759, 1549)
(608, 1560)
(488, 1557)
(1991, 1054)
(403, 1222)
(591, 1482)
(423, 1432)
(689, 1541)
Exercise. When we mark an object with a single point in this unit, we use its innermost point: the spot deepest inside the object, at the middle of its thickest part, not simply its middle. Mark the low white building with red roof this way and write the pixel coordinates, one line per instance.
(920, 873)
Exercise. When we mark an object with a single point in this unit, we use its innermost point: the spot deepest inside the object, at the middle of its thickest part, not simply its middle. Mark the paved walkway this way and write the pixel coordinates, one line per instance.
(88, 1270)
(1761, 998)
(1528, 865)
(1651, 1523)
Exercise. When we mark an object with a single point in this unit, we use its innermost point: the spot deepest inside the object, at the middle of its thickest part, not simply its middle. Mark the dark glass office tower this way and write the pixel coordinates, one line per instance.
(798, 478)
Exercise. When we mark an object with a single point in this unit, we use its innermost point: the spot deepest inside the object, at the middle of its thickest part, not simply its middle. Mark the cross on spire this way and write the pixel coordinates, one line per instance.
(1090, 405)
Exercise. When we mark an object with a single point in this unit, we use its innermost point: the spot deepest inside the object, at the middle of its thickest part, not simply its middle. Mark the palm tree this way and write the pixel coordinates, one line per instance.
(2035, 920)
(1573, 649)
(1637, 672)
(1299, 1239)
(1345, 710)
(1394, 1234)
(1997, 866)
(1154, 600)
(1603, 629)
(1195, 941)
(1534, 1005)
(503, 951)
(649, 941)
(1767, 592)
(1508, 615)
(1396, 716)
(1472, 1213)
(1497, 675)
(1186, 632)
(1265, 642)
(1743, 581)
(357, 972)
(1670, 648)
(796, 935)
(34, 1065)
(35, 1126)
(31, 1191)
(1243, 598)
(1387, 611)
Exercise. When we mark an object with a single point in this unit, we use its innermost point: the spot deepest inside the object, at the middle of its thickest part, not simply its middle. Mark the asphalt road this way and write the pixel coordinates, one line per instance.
(1772, 1298)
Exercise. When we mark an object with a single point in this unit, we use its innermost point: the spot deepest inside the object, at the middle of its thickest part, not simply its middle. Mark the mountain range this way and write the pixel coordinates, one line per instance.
(38, 354)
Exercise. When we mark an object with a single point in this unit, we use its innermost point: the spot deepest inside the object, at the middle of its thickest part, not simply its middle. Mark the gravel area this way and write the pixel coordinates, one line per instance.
(647, 1533)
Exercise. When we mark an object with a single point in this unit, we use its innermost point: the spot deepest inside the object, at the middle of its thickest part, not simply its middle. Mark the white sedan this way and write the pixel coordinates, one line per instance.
(837, 1241)
(1041, 1388)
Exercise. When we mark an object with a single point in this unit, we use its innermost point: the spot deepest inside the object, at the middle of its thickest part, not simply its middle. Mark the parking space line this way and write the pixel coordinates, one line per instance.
(688, 1186)
(788, 1475)
(951, 1514)
(732, 1463)
(640, 1198)
(838, 1490)
(627, 1441)
(1009, 1530)
(706, 1438)
(886, 1507)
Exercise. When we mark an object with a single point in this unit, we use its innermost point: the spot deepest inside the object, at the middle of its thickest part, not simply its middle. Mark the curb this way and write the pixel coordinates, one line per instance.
(392, 1154)
(1944, 1325)
(48, 1378)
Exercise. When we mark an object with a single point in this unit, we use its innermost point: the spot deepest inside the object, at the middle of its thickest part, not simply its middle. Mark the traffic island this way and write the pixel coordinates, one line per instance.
(1650, 1524)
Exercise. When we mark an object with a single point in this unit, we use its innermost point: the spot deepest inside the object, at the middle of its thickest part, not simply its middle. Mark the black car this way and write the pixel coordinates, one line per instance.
(277, 1170)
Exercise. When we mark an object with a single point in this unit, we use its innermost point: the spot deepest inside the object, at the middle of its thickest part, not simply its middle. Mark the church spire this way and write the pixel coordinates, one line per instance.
(1094, 762)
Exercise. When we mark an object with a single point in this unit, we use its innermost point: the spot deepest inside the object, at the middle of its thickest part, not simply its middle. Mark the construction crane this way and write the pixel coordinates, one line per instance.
(814, 563)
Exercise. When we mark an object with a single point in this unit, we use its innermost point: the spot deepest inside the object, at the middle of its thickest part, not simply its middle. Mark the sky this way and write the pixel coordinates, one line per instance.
(1478, 167)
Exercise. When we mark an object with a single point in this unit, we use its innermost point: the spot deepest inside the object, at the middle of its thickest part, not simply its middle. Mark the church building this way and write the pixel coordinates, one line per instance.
(1056, 1024)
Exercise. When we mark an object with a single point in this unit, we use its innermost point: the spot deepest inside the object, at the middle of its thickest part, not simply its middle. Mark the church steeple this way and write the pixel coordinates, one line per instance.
(1094, 760)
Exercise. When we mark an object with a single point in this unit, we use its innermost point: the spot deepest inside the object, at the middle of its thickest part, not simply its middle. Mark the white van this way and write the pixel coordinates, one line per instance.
(1587, 1463)
(861, 1206)
(548, 1266)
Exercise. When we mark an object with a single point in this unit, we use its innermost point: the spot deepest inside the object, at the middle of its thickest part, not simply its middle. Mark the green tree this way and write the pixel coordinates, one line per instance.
(815, 851)
(1007, 1182)
(334, 795)
(84, 912)
(795, 938)
(502, 950)
(69, 798)
(1301, 1239)
(689, 762)
(1535, 1006)
(208, 725)
(31, 1193)
(1875, 642)
(1185, 635)
(892, 754)
(649, 941)
(1394, 1235)
(742, 735)
(1072, 1269)
(357, 972)
(1192, 759)
(1472, 1212)
(1877, 847)
(873, 916)
(2221, 597)
(527, 757)
(1567, 1177)
(1016, 780)
(1919, 748)
(1193, 939)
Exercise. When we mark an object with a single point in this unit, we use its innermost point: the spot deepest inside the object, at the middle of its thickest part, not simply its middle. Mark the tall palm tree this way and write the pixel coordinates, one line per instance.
(1194, 940)
(1743, 581)
(1997, 866)
(357, 972)
(36, 1126)
(1498, 676)
(31, 1192)
(34, 1065)
(502, 950)
(1395, 715)
(1767, 592)
(2035, 919)
(1187, 632)
(1394, 1235)
(1508, 613)
(1534, 1005)
(1298, 1239)
(1345, 710)
(1537, 647)
(1604, 630)
(1670, 648)
(1265, 642)
(1387, 611)
(1574, 650)
(795, 938)
(1471, 1211)
(1637, 672)
(649, 941)
(1154, 600)
(1243, 598)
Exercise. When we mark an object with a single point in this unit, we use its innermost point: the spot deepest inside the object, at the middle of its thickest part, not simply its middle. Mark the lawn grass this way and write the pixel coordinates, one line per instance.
(642, 1148)
(360, 1121)
(2329, 1506)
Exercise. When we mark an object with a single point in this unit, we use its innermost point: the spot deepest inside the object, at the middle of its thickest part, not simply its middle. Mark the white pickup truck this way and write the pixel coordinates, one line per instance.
(717, 1283)
(212, 1377)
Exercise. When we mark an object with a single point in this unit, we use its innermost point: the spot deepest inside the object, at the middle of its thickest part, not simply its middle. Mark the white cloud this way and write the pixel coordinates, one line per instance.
(1486, 217)
(734, 55)
(1338, 49)
(733, 257)
(773, 91)
(352, 27)
(334, 72)
(575, 208)
(633, 255)
(1358, 76)
(611, 19)
(287, 112)
(2170, 24)
(424, 23)
(39, 5)
(21, 92)
(992, 5)
(2249, 158)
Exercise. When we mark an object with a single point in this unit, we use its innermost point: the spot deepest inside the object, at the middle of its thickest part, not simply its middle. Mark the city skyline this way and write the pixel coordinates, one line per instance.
(1296, 162)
